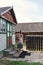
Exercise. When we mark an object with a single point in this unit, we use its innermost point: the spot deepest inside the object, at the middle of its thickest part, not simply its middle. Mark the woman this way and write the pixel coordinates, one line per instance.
(20, 44)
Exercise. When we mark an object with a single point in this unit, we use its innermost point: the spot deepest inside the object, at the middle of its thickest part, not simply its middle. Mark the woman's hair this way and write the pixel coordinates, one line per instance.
(20, 35)
(20, 31)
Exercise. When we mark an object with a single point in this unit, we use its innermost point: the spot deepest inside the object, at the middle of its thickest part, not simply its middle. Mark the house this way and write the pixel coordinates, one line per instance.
(7, 27)
(32, 33)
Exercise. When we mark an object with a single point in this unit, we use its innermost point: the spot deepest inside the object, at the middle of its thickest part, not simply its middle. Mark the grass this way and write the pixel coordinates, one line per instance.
(6, 62)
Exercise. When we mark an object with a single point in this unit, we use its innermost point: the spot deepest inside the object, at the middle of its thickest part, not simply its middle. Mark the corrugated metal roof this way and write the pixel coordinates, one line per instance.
(29, 27)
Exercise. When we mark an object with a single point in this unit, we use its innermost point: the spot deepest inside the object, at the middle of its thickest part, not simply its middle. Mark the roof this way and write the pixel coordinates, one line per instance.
(34, 35)
(4, 10)
(29, 27)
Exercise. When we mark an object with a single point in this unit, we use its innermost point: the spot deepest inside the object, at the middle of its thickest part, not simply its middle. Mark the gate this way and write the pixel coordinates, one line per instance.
(34, 43)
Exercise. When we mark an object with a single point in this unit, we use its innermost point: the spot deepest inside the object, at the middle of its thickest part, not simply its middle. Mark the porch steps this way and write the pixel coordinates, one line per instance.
(12, 53)
(16, 55)
(6, 52)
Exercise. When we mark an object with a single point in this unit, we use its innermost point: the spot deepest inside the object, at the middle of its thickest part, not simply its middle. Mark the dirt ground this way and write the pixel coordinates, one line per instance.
(35, 56)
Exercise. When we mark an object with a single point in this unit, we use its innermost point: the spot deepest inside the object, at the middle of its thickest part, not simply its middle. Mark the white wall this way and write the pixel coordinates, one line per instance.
(2, 41)
(13, 39)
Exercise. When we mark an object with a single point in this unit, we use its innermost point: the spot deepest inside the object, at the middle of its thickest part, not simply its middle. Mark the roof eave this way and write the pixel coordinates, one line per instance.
(1, 15)
(7, 20)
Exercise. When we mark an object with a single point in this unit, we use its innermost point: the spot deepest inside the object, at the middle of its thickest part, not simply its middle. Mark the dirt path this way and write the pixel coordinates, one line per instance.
(34, 57)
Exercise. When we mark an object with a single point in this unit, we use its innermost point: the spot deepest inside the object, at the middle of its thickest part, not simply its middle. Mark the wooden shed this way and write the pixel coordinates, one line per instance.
(32, 33)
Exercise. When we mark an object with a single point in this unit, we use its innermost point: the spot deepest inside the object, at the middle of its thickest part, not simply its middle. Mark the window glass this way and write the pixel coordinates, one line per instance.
(10, 34)
(10, 28)
(2, 25)
(13, 27)
(7, 26)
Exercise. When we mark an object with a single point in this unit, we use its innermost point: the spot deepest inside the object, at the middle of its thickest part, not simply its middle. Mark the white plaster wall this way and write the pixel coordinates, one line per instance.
(2, 42)
(13, 39)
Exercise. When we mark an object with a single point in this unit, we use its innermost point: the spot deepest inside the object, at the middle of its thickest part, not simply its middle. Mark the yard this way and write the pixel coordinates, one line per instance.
(17, 63)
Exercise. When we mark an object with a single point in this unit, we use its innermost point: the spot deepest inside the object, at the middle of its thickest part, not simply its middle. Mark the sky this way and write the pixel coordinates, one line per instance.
(26, 11)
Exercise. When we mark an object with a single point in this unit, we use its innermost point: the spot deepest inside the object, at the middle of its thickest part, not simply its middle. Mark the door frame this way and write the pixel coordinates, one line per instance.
(7, 45)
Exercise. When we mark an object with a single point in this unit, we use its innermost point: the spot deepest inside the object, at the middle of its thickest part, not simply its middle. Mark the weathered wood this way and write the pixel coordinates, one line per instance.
(12, 52)
(34, 43)
(17, 54)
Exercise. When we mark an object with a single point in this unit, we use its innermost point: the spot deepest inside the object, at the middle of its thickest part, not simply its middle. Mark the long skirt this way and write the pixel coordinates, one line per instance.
(20, 45)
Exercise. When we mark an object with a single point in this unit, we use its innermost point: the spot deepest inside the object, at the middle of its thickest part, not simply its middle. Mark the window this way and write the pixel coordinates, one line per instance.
(10, 27)
(2, 25)
(13, 28)
(7, 26)
(10, 34)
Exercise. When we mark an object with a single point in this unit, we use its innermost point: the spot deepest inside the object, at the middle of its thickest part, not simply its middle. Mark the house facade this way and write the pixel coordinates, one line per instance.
(7, 27)
(33, 34)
